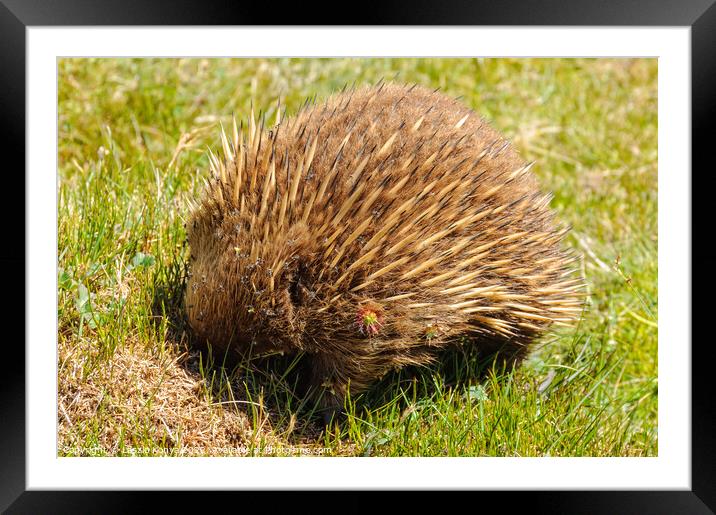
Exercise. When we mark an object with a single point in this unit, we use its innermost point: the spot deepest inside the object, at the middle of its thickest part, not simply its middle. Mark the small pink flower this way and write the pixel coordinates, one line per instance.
(369, 320)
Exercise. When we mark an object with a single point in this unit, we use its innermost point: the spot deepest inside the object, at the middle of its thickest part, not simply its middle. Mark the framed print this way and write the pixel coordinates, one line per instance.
(452, 251)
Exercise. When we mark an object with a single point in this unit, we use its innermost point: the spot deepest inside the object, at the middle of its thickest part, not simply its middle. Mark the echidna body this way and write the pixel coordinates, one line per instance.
(372, 231)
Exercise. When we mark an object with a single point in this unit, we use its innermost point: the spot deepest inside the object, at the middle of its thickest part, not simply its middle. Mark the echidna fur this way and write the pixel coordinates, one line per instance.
(371, 232)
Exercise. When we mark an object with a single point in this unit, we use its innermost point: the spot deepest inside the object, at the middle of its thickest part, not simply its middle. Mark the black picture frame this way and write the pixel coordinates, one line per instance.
(17, 15)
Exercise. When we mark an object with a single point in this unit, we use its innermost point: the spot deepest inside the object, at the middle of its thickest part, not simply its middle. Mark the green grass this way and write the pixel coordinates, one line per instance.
(132, 140)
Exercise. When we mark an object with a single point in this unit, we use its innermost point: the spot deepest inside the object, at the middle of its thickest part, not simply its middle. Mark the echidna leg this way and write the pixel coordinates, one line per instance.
(330, 379)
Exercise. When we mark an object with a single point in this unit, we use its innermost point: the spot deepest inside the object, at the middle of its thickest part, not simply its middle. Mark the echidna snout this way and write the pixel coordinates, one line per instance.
(371, 232)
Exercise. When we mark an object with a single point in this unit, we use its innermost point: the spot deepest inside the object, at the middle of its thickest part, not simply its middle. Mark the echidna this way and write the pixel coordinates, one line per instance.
(371, 232)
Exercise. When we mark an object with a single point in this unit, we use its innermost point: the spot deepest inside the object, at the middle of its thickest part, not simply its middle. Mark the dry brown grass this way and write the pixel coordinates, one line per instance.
(159, 397)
